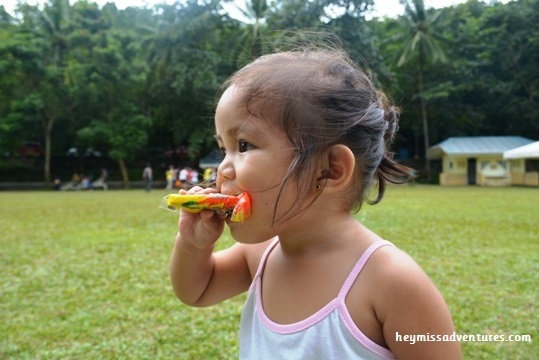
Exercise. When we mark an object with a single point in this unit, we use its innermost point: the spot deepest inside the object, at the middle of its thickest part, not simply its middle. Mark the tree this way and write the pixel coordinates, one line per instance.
(186, 71)
(117, 80)
(359, 36)
(491, 78)
(510, 35)
(54, 23)
(111, 76)
(248, 41)
(37, 51)
(421, 37)
(10, 68)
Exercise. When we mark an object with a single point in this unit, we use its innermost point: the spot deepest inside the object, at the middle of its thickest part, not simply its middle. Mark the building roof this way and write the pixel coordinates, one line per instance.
(530, 151)
(476, 146)
(212, 160)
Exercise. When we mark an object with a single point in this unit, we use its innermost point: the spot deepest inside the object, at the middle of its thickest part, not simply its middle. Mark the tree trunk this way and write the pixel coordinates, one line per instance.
(417, 136)
(49, 122)
(423, 105)
(123, 171)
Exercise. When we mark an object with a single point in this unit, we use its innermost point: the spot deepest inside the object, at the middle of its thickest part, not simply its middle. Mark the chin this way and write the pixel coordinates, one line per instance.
(244, 235)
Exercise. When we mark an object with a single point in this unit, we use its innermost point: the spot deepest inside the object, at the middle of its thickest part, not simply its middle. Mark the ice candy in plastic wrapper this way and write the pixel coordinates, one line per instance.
(237, 207)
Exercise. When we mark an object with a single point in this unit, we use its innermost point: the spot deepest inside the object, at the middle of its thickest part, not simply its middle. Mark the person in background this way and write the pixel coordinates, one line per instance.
(103, 178)
(208, 173)
(57, 184)
(184, 173)
(85, 183)
(147, 176)
(170, 176)
(75, 179)
(192, 177)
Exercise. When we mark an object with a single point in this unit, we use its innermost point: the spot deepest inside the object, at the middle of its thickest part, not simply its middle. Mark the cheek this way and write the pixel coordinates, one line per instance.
(273, 205)
(264, 191)
(259, 177)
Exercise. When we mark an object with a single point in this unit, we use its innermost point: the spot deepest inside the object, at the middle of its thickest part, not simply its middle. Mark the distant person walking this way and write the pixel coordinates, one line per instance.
(184, 173)
(147, 176)
(170, 175)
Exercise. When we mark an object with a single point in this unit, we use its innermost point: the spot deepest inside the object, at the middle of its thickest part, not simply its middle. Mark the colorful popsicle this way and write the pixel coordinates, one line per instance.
(237, 207)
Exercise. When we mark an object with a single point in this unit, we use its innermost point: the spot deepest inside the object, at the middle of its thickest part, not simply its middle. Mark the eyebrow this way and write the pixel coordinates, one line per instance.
(233, 132)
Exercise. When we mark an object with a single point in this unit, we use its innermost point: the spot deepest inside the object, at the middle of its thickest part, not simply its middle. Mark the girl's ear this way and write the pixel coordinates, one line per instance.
(341, 169)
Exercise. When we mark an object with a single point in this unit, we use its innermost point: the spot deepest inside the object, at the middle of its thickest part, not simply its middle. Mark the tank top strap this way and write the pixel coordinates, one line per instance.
(359, 266)
(263, 260)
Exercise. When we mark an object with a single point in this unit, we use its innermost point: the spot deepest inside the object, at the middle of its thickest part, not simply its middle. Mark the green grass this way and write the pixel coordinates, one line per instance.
(85, 274)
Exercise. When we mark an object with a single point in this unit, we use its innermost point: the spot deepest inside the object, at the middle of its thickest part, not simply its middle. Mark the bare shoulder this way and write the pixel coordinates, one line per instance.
(397, 269)
(406, 302)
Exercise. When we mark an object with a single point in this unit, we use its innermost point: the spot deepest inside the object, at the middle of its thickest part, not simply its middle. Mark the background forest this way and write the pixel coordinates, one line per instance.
(116, 88)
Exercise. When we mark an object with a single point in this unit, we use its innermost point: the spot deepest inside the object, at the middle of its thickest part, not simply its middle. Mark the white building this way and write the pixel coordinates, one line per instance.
(479, 160)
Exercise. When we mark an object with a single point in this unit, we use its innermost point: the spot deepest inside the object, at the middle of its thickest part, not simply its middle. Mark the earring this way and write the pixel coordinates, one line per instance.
(318, 187)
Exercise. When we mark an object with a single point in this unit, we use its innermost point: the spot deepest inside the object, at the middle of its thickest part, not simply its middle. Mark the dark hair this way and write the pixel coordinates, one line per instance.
(320, 98)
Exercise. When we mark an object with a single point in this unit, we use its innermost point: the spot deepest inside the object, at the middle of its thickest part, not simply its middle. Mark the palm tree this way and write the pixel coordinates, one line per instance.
(54, 27)
(423, 39)
(254, 12)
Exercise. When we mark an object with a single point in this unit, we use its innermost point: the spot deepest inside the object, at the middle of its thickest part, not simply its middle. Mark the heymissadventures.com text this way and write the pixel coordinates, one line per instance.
(412, 339)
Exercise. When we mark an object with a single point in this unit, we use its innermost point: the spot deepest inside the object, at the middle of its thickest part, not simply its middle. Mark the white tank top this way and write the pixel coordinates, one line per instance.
(328, 334)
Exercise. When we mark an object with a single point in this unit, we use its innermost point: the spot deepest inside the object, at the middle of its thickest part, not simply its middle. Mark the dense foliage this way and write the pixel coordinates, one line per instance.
(135, 83)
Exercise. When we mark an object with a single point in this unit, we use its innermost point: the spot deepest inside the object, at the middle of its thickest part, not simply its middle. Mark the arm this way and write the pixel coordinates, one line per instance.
(199, 276)
(410, 304)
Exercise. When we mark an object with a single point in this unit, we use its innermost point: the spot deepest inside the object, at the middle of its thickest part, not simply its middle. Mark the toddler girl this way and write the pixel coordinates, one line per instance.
(305, 134)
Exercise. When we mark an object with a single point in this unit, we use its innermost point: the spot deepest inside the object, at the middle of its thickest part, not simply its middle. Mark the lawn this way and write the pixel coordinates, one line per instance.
(85, 274)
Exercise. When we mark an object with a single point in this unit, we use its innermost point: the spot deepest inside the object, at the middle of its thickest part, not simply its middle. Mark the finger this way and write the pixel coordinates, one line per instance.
(194, 190)
(207, 191)
(206, 214)
(221, 215)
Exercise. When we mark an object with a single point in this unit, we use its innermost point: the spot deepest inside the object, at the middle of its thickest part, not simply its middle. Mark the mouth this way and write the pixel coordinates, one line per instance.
(242, 210)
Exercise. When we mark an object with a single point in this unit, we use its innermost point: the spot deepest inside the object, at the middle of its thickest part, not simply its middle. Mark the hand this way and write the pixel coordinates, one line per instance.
(201, 229)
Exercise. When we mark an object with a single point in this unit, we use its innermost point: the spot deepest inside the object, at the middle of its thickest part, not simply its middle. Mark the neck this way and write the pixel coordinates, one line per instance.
(323, 233)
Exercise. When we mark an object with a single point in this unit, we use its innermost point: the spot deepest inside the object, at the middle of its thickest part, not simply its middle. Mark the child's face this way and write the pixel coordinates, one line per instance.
(257, 157)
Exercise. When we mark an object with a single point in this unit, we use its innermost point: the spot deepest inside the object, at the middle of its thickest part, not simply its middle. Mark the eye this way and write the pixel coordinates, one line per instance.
(244, 146)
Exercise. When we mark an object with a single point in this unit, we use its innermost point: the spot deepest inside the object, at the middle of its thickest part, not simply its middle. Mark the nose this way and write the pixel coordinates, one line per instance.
(225, 171)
